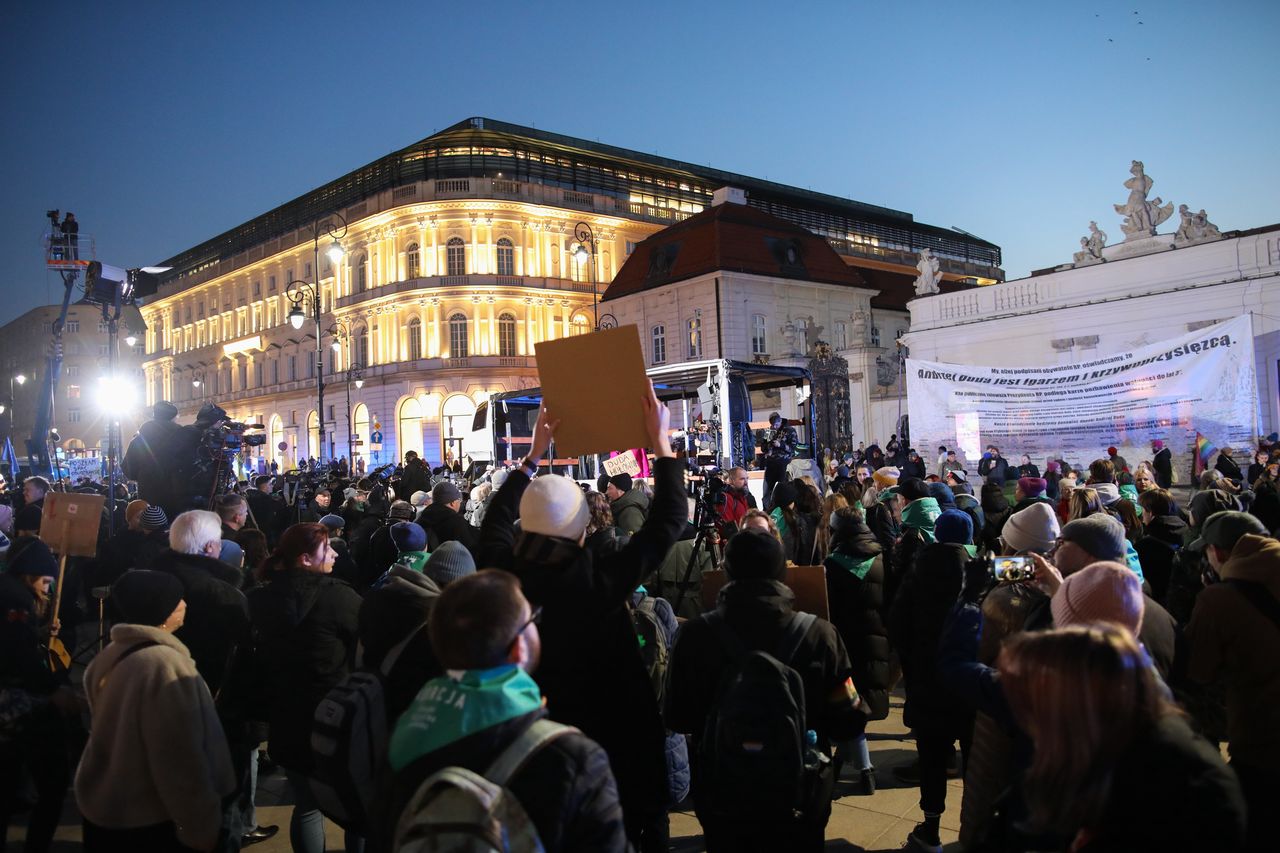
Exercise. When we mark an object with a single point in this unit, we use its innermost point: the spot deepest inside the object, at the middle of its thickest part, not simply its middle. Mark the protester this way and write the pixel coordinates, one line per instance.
(448, 563)
(603, 536)
(410, 542)
(996, 510)
(993, 467)
(627, 503)
(26, 522)
(392, 622)
(156, 768)
(823, 539)
(305, 626)
(919, 511)
(1162, 464)
(1122, 770)
(1118, 462)
(443, 521)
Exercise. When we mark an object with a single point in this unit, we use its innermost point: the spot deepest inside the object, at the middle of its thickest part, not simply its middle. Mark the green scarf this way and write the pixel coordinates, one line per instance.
(447, 710)
(780, 520)
(416, 560)
(857, 568)
(919, 515)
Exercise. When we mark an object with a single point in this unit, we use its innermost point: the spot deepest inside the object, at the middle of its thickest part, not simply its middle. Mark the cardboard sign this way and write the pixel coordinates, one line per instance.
(623, 463)
(84, 467)
(69, 523)
(809, 583)
(595, 386)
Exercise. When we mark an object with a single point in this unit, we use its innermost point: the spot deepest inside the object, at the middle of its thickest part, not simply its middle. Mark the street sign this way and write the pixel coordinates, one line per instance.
(376, 437)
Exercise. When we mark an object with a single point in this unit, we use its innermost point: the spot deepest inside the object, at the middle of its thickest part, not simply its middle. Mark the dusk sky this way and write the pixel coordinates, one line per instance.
(162, 124)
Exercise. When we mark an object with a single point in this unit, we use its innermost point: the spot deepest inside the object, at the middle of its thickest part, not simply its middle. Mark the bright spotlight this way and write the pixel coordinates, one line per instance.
(116, 395)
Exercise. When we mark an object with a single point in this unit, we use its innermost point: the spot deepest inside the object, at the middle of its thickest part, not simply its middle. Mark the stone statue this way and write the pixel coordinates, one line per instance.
(859, 319)
(1194, 228)
(812, 335)
(1091, 247)
(1141, 217)
(930, 274)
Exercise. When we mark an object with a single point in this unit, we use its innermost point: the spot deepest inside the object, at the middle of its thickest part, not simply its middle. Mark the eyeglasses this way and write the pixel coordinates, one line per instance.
(535, 618)
(1057, 543)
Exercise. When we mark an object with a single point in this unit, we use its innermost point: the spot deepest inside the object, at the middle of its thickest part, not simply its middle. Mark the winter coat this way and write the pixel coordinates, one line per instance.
(756, 611)
(670, 577)
(443, 524)
(883, 525)
(1170, 790)
(1162, 466)
(678, 770)
(917, 532)
(856, 603)
(305, 627)
(414, 478)
(156, 751)
(591, 671)
(1156, 551)
(605, 541)
(389, 614)
(1233, 642)
(914, 468)
(629, 511)
(150, 459)
(994, 467)
(217, 619)
(928, 594)
(23, 661)
(970, 506)
(1026, 502)
(566, 788)
(997, 511)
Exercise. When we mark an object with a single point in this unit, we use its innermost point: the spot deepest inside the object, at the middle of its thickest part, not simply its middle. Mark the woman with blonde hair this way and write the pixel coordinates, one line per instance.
(1115, 765)
(822, 541)
(1084, 502)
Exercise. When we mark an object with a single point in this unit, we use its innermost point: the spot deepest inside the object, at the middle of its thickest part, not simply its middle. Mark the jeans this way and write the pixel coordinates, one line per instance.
(306, 827)
(934, 747)
(859, 756)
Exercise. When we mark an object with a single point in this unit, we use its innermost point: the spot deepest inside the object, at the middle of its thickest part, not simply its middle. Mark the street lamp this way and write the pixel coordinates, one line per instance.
(354, 374)
(583, 234)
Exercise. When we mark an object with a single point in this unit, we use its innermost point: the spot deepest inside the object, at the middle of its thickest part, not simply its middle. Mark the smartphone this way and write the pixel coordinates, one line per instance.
(1011, 568)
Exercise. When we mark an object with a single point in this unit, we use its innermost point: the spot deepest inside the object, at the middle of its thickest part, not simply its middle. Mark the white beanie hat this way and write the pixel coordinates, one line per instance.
(554, 506)
(1032, 529)
(499, 477)
(420, 498)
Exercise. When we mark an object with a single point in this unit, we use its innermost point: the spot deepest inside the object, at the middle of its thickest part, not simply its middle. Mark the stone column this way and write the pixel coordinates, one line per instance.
(493, 329)
(435, 250)
(473, 248)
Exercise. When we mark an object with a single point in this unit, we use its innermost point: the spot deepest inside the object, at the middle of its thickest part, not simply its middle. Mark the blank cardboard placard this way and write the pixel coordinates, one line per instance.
(595, 386)
(809, 583)
(69, 523)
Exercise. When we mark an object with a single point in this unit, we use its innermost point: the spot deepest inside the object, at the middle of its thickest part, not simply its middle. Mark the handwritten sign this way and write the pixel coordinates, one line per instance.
(84, 467)
(623, 463)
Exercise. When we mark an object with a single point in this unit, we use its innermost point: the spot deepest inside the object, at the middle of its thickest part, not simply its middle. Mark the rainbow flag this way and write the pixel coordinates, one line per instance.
(1204, 452)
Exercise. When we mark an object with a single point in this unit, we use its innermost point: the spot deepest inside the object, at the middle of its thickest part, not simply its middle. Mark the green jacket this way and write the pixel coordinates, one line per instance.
(630, 511)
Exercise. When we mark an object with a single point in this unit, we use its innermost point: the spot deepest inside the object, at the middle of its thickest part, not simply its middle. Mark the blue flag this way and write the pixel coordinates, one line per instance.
(9, 457)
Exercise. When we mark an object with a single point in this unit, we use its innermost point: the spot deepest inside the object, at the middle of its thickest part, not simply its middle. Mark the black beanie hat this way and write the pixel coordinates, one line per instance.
(784, 493)
(914, 489)
(33, 559)
(754, 554)
(621, 482)
(143, 597)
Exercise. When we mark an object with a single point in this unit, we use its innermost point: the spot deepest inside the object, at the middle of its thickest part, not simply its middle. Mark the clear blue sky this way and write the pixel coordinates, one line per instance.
(161, 124)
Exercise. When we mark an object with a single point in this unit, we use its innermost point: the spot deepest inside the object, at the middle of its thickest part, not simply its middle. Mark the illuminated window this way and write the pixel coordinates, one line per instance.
(580, 325)
(456, 256)
(361, 354)
(659, 336)
(759, 339)
(73, 392)
(414, 332)
(694, 338)
(458, 334)
(506, 257)
(411, 261)
(507, 334)
(362, 274)
(409, 426)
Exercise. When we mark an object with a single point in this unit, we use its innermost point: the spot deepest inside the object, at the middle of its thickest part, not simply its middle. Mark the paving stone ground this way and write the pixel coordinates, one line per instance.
(858, 823)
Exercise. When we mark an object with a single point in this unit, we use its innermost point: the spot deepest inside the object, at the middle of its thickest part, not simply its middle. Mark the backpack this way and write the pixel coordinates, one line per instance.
(752, 753)
(457, 810)
(349, 739)
(653, 643)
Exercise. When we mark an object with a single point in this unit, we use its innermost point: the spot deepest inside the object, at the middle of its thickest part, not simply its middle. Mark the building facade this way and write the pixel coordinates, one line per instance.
(462, 252)
(84, 401)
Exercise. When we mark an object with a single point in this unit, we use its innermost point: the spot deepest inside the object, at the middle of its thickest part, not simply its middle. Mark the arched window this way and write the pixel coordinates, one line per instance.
(759, 339)
(694, 338)
(659, 336)
(413, 331)
(361, 273)
(458, 335)
(580, 325)
(507, 334)
(409, 427)
(411, 261)
(506, 257)
(313, 436)
(360, 429)
(456, 256)
(455, 425)
(360, 355)
(275, 435)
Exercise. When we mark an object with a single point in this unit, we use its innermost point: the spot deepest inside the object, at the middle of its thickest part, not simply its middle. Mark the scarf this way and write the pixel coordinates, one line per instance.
(854, 566)
(415, 560)
(448, 709)
(780, 520)
(919, 515)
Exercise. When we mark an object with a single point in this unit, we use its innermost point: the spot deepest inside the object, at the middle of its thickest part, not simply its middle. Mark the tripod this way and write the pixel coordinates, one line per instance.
(707, 541)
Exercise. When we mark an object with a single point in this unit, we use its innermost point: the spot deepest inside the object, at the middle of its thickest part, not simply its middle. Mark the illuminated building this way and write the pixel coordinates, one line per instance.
(460, 257)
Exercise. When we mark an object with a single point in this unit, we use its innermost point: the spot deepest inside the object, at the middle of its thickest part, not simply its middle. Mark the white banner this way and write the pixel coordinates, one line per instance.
(1200, 382)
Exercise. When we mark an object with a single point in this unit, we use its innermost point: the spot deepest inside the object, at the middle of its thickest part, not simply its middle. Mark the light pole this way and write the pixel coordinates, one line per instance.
(296, 291)
(583, 234)
(354, 374)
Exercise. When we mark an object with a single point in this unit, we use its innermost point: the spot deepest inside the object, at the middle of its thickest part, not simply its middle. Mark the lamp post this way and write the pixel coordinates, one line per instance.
(297, 291)
(583, 234)
(354, 374)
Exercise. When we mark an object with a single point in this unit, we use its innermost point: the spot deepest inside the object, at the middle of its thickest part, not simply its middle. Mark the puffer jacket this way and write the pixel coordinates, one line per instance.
(630, 510)
(855, 593)
(305, 628)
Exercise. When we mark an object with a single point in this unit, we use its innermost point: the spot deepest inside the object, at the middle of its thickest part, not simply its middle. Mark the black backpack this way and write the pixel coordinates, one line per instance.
(652, 641)
(752, 756)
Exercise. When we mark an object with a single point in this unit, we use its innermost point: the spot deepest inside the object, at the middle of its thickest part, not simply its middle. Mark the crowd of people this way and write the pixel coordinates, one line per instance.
(526, 660)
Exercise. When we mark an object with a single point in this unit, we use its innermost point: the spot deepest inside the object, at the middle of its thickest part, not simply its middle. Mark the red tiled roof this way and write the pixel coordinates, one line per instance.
(732, 238)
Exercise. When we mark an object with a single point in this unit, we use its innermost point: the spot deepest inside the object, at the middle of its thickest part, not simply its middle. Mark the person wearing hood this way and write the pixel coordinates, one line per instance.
(627, 503)
(919, 511)
(914, 466)
(942, 493)
(1234, 640)
(1162, 464)
(156, 769)
(586, 628)
(929, 591)
(1162, 539)
(1108, 494)
(305, 630)
(443, 519)
(855, 592)
(995, 506)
